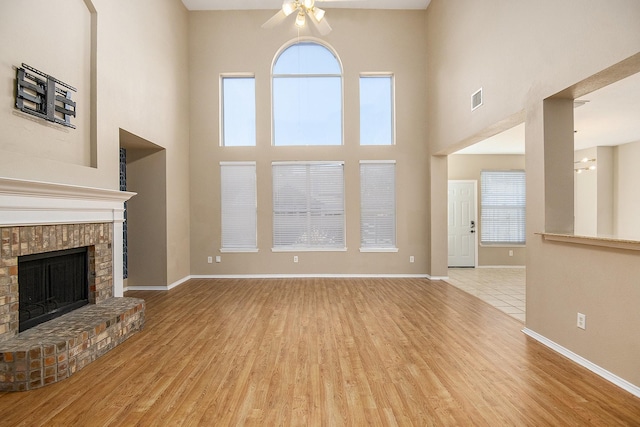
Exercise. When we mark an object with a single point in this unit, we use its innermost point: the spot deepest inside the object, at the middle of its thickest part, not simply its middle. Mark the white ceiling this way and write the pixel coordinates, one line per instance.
(510, 141)
(611, 117)
(276, 4)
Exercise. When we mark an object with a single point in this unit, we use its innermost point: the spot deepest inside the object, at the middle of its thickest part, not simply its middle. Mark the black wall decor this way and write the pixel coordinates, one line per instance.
(44, 96)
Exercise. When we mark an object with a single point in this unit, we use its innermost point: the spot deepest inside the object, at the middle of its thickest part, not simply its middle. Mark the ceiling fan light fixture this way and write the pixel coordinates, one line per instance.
(318, 13)
(304, 9)
(289, 7)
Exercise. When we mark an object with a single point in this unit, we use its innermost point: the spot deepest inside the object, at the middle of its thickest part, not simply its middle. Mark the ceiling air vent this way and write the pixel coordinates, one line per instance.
(476, 99)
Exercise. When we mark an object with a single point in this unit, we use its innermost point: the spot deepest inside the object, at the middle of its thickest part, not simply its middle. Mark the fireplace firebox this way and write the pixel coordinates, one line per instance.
(51, 284)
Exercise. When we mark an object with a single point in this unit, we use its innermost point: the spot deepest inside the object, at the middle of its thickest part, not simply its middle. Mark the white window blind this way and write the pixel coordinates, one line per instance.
(503, 207)
(377, 205)
(238, 206)
(308, 206)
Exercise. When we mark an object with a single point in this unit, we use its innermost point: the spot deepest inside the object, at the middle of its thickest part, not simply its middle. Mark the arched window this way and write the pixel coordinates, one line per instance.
(307, 96)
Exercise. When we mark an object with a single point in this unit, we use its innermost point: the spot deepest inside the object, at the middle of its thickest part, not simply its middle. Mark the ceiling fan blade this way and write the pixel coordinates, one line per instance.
(323, 26)
(274, 20)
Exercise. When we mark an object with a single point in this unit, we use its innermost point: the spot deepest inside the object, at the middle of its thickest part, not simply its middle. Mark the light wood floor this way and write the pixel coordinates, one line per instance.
(325, 352)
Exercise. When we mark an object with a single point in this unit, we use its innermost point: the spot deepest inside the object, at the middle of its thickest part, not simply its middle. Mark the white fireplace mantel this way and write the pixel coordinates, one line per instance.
(26, 203)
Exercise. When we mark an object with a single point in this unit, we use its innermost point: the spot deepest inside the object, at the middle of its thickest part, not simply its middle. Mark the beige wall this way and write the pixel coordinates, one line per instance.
(522, 53)
(594, 193)
(607, 201)
(626, 194)
(129, 61)
(147, 217)
(143, 65)
(233, 42)
(30, 147)
(468, 167)
(585, 196)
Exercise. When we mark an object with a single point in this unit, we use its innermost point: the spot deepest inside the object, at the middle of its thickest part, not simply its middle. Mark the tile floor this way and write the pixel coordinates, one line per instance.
(503, 288)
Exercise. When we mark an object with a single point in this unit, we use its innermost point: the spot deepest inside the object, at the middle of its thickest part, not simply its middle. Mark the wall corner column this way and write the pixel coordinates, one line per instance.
(558, 165)
(438, 219)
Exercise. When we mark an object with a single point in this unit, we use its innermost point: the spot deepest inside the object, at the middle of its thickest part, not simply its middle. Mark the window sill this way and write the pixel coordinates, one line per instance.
(238, 251)
(607, 242)
(390, 250)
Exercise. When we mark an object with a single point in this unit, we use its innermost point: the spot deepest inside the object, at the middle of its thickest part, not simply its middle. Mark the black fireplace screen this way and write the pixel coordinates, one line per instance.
(51, 284)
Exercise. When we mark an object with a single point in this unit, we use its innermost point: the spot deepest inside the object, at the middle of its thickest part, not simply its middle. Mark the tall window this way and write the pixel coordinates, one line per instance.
(238, 206)
(377, 206)
(307, 96)
(376, 109)
(238, 110)
(308, 206)
(503, 207)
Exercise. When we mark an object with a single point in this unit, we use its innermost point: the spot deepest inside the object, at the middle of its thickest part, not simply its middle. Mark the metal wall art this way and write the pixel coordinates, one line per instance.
(44, 96)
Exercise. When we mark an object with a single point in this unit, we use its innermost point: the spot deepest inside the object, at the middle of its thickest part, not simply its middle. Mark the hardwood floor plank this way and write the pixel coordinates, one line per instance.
(334, 352)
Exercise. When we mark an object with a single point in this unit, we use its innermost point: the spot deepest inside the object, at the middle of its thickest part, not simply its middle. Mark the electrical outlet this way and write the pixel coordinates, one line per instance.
(209, 259)
(412, 259)
(582, 321)
(510, 252)
(218, 258)
(295, 258)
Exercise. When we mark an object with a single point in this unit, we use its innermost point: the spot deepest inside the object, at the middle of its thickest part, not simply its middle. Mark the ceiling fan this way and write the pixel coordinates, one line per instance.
(306, 10)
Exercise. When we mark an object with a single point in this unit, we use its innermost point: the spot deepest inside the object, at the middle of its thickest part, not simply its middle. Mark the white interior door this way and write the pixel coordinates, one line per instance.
(462, 223)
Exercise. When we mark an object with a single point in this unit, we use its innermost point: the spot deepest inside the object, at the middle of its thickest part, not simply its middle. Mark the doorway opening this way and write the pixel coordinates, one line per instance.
(497, 273)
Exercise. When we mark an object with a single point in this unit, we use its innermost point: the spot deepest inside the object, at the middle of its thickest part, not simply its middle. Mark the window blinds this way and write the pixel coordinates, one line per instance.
(308, 205)
(377, 205)
(503, 207)
(238, 206)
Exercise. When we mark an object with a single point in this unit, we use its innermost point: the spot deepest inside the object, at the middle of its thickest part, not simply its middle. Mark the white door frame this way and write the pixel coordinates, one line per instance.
(475, 214)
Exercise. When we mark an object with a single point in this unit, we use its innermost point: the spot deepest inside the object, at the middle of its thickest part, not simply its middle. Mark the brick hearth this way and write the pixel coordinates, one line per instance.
(55, 350)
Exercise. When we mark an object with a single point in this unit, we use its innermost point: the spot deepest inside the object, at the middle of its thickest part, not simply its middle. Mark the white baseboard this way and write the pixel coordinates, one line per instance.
(179, 282)
(274, 276)
(501, 266)
(146, 288)
(158, 288)
(620, 382)
(307, 276)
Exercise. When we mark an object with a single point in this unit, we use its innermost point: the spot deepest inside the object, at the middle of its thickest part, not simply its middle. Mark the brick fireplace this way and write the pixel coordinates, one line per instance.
(38, 217)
